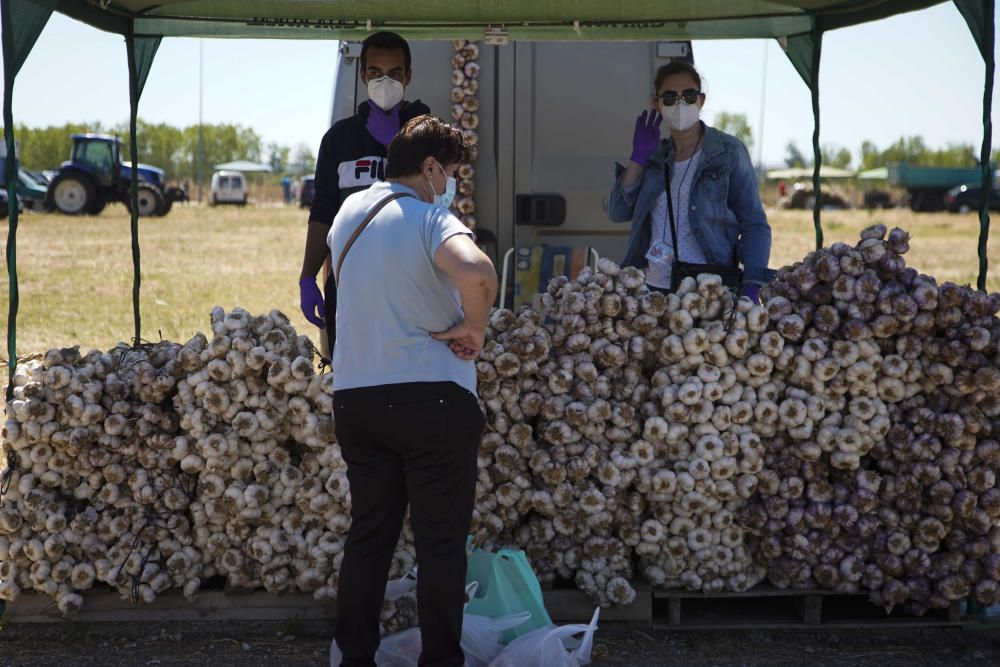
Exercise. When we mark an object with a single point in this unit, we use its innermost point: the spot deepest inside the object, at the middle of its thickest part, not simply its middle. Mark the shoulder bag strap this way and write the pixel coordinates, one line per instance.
(364, 223)
(670, 199)
(670, 212)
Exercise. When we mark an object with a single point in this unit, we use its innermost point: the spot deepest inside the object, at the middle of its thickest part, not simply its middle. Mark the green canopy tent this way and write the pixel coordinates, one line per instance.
(798, 25)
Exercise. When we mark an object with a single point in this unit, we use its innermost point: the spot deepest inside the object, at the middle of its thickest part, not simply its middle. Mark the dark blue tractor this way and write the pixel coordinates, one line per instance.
(95, 175)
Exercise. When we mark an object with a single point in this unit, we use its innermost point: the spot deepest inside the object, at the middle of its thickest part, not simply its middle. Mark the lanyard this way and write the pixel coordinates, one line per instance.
(670, 205)
(670, 202)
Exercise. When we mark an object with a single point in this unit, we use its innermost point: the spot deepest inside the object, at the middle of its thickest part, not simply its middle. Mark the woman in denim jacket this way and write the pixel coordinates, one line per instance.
(716, 205)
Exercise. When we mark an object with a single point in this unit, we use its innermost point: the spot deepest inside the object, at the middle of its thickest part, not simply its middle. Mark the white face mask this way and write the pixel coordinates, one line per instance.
(448, 196)
(681, 116)
(385, 92)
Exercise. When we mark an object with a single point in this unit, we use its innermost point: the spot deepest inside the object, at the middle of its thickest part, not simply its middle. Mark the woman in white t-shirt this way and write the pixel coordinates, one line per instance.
(413, 299)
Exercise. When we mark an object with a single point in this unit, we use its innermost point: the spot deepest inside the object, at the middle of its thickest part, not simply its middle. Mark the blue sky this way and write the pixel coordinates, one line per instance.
(914, 74)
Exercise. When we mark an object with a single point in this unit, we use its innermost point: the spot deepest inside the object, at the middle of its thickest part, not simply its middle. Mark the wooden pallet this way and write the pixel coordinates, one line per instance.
(763, 607)
(767, 607)
(570, 605)
(107, 606)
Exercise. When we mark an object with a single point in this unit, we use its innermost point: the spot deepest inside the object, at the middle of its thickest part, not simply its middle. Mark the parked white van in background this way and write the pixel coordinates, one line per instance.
(228, 187)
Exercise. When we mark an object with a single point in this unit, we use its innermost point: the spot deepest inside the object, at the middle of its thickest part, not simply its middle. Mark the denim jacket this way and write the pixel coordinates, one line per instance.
(726, 215)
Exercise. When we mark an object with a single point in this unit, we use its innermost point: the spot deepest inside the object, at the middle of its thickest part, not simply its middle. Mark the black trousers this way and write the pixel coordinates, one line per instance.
(416, 444)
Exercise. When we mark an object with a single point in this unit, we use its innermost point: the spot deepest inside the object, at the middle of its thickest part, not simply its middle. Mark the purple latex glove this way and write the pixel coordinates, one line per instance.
(751, 291)
(382, 125)
(311, 302)
(646, 137)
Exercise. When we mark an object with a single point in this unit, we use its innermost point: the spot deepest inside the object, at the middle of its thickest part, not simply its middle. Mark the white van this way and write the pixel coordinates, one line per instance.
(228, 187)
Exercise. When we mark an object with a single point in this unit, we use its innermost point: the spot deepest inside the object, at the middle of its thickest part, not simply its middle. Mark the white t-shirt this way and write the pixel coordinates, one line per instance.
(392, 296)
(681, 177)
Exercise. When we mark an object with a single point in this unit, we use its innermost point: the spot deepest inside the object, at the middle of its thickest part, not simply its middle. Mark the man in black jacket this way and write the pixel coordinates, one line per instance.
(352, 157)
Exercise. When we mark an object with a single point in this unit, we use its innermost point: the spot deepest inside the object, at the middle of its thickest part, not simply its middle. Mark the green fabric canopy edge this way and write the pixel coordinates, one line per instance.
(804, 52)
(140, 52)
(31, 18)
(980, 16)
(353, 20)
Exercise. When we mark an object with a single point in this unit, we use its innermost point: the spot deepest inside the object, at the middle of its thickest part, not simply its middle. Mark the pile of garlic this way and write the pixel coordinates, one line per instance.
(641, 437)
(508, 388)
(273, 502)
(886, 477)
(92, 490)
(841, 436)
(465, 111)
(585, 471)
(270, 509)
(162, 466)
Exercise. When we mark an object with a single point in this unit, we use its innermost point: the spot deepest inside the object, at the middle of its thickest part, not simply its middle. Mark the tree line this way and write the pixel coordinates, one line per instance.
(912, 150)
(173, 149)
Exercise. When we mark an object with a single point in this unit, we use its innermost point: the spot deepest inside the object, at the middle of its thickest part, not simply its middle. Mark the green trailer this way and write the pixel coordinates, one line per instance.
(927, 186)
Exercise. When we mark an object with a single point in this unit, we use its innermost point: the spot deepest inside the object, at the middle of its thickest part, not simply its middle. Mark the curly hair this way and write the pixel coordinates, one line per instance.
(426, 136)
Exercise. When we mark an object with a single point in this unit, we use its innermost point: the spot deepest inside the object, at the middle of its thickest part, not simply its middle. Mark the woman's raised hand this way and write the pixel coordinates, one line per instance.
(646, 137)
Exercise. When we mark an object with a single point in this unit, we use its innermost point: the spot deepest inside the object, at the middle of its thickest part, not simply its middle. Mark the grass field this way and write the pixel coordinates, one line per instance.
(76, 273)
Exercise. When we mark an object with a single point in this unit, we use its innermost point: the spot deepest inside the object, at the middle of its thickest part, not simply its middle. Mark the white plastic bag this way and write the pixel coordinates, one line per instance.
(480, 642)
(480, 636)
(397, 588)
(550, 647)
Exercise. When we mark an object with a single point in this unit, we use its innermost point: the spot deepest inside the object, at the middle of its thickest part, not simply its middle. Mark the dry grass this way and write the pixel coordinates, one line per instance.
(943, 245)
(76, 273)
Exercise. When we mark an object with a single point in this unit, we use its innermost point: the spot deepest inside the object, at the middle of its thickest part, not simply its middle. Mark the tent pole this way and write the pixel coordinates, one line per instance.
(10, 167)
(817, 44)
(989, 61)
(17, 44)
(133, 94)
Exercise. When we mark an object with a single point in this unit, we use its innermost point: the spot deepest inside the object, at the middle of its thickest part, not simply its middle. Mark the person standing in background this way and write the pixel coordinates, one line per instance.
(352, 158)
(712, 208)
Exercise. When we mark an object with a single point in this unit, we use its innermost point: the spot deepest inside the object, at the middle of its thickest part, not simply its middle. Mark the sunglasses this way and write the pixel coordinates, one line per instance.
(671, 97)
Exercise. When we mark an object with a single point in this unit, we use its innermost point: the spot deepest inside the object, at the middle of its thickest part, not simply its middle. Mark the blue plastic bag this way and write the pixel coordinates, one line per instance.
(507, 585)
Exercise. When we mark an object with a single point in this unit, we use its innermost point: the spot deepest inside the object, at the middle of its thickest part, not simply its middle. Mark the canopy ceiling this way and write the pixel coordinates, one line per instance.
(451, 19)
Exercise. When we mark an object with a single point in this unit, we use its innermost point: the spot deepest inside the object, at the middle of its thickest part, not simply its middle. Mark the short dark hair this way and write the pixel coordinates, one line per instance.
(426, 136)
(385, 40)
(673, 68)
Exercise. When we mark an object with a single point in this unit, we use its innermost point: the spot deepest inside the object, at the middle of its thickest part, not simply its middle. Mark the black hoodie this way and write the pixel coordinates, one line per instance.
(351, 159)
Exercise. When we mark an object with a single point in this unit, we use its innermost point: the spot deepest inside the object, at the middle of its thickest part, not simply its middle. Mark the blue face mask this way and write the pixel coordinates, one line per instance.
(445, 199)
